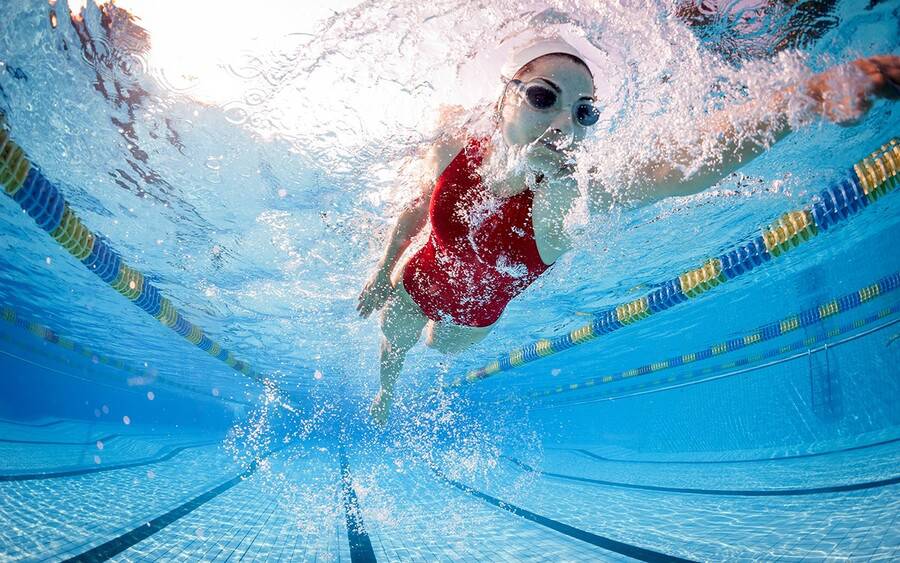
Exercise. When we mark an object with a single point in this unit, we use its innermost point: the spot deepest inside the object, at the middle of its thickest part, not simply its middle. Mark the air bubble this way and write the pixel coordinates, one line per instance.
(236, 115)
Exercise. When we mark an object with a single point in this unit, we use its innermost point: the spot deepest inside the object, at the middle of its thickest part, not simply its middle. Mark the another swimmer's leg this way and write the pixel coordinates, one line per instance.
(401, 324)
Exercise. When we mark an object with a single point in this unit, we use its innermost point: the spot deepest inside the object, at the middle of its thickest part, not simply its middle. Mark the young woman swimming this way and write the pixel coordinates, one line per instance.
(491, 239)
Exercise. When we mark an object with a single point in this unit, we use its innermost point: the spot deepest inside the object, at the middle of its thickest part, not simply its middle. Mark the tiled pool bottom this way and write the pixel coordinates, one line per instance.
(160, 499)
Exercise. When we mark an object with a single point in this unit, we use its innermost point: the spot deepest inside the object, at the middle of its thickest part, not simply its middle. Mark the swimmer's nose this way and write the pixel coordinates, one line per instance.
(561, 132)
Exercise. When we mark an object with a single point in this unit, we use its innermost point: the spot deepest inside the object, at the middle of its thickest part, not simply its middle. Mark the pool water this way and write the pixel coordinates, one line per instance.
(250, 175)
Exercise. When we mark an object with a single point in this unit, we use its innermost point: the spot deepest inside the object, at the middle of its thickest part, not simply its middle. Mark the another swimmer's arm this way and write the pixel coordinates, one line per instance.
(841, 94)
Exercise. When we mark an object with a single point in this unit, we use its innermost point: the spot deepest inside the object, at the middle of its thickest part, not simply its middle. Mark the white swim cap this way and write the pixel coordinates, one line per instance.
(521, 57)
(548, 32)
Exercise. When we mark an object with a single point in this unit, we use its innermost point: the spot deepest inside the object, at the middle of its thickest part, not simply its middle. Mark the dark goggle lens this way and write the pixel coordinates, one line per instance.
(587, 114)
(540, 97)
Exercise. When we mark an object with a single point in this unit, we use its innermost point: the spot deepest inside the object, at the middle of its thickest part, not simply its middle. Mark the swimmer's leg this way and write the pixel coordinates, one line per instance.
(449, 338)
(401, 325)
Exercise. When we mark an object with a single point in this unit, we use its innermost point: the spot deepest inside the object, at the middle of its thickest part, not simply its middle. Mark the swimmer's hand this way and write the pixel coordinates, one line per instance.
(843, 94)
(375, 293)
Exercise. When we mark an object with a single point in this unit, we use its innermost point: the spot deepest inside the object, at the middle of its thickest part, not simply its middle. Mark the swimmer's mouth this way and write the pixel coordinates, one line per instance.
(552, 147)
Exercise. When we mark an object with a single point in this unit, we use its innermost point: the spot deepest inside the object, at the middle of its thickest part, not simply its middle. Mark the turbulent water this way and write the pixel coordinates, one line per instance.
(257, 189)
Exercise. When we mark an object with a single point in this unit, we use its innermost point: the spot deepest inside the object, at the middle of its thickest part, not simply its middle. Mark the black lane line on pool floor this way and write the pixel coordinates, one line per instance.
(117, 545)
(627, 549)
(41, 425)
(100, 468)
(360, 544)
(91, 442)
(50, 443)
(716, 492)
(755, 460)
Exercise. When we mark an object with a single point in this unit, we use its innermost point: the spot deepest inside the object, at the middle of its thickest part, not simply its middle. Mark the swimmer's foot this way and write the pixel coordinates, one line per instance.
(380, 408)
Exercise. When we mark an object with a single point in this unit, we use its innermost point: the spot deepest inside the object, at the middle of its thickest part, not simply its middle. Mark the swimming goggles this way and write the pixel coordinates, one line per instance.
(541, 97)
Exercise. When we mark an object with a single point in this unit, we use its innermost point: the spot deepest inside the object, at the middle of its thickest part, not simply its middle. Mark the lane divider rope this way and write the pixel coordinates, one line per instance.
(22, 181)
(141, 377)
(626, 392)
(764, 333)
(865, 183)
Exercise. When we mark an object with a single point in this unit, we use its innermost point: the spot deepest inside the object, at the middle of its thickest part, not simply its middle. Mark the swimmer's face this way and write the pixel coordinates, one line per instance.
(554, 130)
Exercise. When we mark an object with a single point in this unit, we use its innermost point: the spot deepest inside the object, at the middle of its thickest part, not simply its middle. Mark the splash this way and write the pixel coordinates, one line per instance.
(311, 137)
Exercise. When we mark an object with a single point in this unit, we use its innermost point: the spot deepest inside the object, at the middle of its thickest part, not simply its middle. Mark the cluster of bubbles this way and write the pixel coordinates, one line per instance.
(297, 447)
(358, 101)
(388, 64)
(348, 109)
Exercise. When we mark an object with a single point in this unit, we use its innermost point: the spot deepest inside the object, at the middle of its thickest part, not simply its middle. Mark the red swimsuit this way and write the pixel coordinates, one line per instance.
(481, 252)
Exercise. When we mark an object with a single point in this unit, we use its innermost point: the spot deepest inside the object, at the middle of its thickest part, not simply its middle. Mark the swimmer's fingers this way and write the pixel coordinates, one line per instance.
(362, 303)
(371, 305)
(844, 94)
(365, 305)
(374, 295)
(366, 309)
(884, 71)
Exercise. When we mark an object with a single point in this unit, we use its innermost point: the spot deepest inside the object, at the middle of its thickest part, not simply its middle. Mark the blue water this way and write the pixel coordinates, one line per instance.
(259, 206)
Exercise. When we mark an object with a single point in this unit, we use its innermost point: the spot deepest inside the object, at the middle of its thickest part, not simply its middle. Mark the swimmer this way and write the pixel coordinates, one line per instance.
(491, 239)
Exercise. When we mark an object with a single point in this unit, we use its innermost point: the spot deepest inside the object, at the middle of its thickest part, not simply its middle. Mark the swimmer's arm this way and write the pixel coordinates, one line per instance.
(734, 135)
(841, 94)
(410, 222)
(414, 216)
(377, 289)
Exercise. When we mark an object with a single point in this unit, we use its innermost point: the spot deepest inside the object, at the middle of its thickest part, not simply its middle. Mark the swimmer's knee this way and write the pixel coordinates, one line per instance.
(437, 339)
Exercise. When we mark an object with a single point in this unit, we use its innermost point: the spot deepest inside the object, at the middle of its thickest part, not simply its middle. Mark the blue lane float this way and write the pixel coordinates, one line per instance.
(44, 202)
(864, 183)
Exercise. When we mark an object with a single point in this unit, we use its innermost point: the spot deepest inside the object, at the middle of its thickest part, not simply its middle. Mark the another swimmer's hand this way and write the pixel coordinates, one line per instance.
(844, 94)
(375, 293)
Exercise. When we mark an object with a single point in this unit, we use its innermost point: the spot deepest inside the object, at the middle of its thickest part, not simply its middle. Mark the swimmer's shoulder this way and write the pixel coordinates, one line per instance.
(449, 138)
